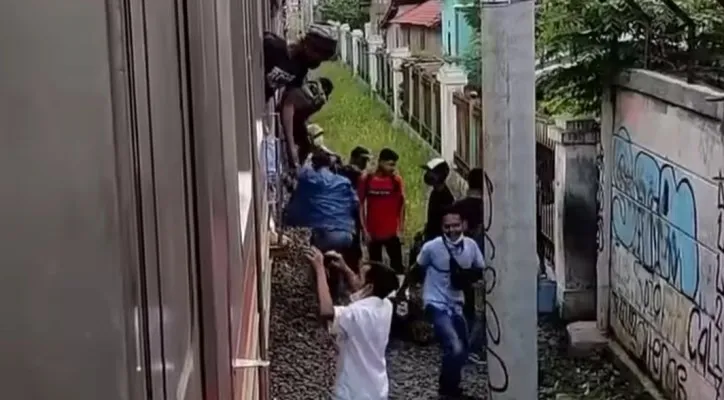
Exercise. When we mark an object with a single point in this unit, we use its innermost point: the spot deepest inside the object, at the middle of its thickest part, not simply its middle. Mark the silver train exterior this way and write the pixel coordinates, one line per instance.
(129, 164)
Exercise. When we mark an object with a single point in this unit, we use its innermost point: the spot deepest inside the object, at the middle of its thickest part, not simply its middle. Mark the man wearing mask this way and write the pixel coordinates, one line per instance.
(288, 65)
(436, 173)
(447, 265)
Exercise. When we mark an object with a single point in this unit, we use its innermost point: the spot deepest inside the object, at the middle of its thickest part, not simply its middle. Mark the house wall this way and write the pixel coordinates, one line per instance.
(660, 231)
(419, 39)
(456, 32)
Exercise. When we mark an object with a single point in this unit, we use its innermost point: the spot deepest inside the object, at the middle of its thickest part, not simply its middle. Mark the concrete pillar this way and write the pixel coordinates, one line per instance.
(343, 42)
(398, 56)
(368, 30)
(374, 43)
(574, 223)
(357, 37)
(508, 100)
(604, 164)
(452, 79)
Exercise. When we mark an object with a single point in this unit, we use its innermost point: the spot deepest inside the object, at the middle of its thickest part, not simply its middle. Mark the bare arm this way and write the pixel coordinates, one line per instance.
(403, 208)
(413, 276)
(326, 307)
(362, 196)
(288, 111)
(353, 280)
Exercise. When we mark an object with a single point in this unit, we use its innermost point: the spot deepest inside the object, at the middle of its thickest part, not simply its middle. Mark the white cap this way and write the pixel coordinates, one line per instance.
(434, 163)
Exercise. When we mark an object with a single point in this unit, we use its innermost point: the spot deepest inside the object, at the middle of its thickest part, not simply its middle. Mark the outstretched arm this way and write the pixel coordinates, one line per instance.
(326, 307)
(417, 270)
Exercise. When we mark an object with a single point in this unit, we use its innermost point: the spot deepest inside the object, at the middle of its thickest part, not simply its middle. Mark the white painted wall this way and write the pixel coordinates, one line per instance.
(661, 234)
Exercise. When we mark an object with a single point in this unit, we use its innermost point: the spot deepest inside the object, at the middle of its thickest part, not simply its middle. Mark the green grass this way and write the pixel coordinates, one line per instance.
(353, 117)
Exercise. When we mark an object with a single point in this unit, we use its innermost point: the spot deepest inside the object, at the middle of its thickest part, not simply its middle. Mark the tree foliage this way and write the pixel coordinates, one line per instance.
(352, 12)
(584, 44)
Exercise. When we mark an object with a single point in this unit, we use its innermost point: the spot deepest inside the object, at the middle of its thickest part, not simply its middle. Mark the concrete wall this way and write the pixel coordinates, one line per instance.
(660, 233)
(574, 233)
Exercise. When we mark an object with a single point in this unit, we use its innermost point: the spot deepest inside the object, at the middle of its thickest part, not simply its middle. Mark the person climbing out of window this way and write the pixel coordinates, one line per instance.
(447, 265)
(361, 328)
(327, 204)
(298, 104)
(382, 208)
(287, 65)
(436, 173)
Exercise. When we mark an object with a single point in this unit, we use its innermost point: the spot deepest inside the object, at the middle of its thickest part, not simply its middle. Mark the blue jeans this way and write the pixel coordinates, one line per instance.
(326, 240)
(452, 332)
(339, 241)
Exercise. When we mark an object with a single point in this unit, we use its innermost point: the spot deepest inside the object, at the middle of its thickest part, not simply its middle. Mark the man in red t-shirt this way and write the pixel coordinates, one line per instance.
(382, 209)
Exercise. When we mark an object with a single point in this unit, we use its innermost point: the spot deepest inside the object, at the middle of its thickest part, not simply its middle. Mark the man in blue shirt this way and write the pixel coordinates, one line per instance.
(443, 296)
(325, 202)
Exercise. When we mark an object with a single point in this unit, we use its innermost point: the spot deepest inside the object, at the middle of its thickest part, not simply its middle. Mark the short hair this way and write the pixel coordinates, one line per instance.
(388, 155)
(321, 158)
(452, 209)
(327, 85)
(383, 279)
(475, 179)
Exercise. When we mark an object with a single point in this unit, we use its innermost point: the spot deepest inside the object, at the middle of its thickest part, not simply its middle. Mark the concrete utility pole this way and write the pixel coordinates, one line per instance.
(508, 98)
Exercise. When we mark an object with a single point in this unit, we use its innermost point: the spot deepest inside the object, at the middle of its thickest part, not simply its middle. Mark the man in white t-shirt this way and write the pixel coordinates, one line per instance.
(362, 328)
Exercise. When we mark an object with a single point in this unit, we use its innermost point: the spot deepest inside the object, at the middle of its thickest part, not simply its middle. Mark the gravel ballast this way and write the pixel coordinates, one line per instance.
(303, 353)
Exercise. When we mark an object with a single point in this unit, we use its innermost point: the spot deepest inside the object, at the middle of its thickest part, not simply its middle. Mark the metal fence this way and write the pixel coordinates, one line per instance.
(349, 48)
(384, 77)
(364, 60)
(469, 151)
(421, 103)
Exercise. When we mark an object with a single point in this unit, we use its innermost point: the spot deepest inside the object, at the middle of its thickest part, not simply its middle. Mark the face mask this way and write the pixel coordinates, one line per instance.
(429, 179)
(361, 294)
(453, 240)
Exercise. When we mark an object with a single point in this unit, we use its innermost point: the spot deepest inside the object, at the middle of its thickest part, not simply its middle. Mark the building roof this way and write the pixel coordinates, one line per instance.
(426, 14)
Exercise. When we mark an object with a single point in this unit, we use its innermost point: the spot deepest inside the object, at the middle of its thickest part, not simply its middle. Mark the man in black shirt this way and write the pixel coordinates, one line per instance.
(353, 171)
(298, 104)
(288, 65)
(471, 206)
(436, 173)
(358, 160)
(471, 209)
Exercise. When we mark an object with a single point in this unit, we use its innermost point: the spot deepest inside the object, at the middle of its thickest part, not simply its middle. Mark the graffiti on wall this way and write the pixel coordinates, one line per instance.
(667, 298)
(498, 378)
(599, 197)
(653, 213)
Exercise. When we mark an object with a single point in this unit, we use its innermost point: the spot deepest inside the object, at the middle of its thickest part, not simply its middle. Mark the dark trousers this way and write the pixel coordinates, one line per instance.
(393, 246)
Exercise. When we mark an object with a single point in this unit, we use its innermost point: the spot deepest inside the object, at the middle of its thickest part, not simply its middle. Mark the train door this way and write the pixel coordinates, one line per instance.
(166, 308)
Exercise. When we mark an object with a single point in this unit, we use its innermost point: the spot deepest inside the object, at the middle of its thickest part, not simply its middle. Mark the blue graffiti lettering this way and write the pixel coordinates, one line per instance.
(654, 215)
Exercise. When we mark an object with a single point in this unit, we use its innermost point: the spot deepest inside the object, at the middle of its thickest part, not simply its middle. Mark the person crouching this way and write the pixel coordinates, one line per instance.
(361, 328)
